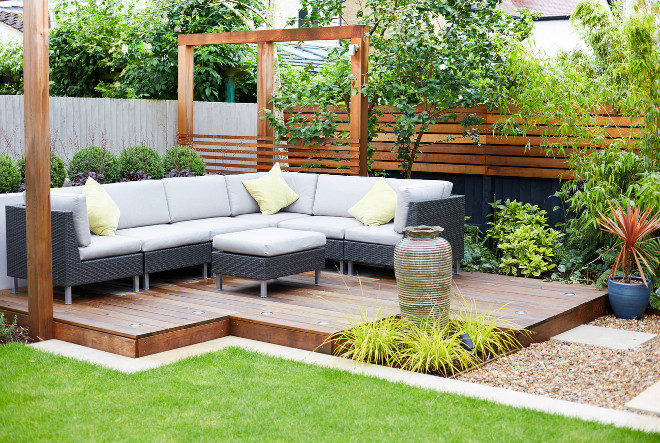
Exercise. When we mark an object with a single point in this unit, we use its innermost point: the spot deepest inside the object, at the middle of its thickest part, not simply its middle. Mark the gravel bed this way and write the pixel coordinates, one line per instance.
(580, 373)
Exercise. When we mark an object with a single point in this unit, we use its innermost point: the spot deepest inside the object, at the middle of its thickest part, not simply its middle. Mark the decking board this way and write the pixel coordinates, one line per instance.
(180, 310)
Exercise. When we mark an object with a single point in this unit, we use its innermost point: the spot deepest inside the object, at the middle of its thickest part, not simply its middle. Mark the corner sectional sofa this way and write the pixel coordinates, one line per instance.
(170, 223)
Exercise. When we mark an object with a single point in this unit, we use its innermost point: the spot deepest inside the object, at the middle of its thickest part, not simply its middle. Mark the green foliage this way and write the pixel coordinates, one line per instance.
(525, 243)
(11, 68)
(7, 330)
(95, 159)
(57, 170)
(10, 176)
(152, 70)
(85, 46)
(428, 347)
(477, 257)
(140, 158)
(183, 157)
(415, 66)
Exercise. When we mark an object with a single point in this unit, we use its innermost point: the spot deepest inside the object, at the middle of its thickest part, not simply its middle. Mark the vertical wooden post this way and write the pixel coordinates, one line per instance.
(37, 170)
(185, 95)
(359, 107)
(265, 73)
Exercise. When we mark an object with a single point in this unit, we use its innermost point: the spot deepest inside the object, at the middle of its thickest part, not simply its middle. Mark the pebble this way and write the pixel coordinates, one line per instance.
(579, 373)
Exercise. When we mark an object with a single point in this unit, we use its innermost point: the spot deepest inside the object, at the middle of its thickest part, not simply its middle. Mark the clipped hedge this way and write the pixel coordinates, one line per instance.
(140, 158)
(10, 176)
(57, 169)
(95, 159)
(183, 157)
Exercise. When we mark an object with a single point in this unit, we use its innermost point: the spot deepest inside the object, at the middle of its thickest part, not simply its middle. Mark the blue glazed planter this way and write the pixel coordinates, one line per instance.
(628, 300)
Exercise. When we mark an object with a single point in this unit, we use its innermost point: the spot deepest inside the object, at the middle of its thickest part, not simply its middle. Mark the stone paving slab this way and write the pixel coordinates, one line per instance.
(425, 381)
(605, 337)
(647, 401)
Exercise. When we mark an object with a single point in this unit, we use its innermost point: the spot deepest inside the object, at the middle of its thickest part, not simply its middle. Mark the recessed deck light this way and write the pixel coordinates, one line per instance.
(136, 325)
(323, 322)
(198, 312)
(569, 293)
(266, 313)
(521, 312)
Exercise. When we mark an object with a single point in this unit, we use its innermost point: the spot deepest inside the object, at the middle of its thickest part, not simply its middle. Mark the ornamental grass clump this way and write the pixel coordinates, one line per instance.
(428, 347)
(140, 159)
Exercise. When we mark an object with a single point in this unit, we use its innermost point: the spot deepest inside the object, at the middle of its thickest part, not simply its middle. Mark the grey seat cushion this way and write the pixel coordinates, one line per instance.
(240, 200)
(157, 237)
(332, 227)
(191, 198)
(380, 235)
(268, 242)
(104, 247)
(222, 225)
(336, 194)
(141, 203)
(304, 184)
(272, 220)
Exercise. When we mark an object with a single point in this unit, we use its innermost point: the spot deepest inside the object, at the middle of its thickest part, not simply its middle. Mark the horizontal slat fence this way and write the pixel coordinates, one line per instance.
(444, 149)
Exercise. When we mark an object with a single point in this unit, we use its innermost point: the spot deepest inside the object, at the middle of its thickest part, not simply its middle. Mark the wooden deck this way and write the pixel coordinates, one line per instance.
(181, 310)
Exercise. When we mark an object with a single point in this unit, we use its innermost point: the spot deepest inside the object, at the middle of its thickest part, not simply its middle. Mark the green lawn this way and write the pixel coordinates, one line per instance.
(235, 394)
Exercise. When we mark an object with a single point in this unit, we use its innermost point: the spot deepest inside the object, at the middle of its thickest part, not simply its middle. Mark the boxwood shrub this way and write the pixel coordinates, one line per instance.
(95, 159)
(10, 176)
(183, 157)
(57, 169)
(140, 159)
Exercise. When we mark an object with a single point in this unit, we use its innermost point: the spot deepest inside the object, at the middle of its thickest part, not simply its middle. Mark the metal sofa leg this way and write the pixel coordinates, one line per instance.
(218, 282)
(264, 289)
(14, 285)
(67, 295)
(458, 267)
(136, 283)
(350, 268)
(341, 267)
(317, 277)
(205, 271)
(146, 282)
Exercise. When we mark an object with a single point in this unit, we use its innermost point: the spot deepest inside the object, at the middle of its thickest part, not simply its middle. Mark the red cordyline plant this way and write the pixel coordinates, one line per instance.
(631, 228)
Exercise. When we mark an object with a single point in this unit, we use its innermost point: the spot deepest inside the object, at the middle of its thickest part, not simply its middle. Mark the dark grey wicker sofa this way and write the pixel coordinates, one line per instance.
(170, 223)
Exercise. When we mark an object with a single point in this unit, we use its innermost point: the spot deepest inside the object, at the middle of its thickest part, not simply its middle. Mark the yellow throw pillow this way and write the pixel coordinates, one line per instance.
(102, 211)
(377, 206)
(271, 191)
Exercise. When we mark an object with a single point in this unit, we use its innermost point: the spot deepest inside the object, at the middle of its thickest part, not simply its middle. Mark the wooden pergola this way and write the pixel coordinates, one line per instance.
(37, 169)
(265, 40)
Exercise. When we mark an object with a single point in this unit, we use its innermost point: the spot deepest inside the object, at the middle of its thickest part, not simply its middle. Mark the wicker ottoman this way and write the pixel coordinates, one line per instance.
(268, 253)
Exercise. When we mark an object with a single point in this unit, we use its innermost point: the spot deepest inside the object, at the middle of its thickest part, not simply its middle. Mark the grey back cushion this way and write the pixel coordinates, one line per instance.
(336, 194)
(304, 185)
(240, 200)
(77, 204)
(141, 203)
(192, 198)
(414, 191)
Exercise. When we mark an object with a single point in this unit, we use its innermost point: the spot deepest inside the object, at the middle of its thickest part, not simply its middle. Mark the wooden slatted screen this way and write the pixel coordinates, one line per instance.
(444, 149)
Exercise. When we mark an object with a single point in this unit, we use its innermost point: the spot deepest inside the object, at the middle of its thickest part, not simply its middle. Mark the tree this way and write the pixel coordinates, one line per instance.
(153, 61)
(427, 57)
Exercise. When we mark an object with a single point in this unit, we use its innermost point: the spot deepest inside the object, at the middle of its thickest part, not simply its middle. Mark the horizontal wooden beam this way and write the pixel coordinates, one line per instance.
(274, 35)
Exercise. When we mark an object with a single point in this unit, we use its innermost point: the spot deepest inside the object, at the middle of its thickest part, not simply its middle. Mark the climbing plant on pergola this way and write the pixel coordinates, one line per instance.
(265, 40)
